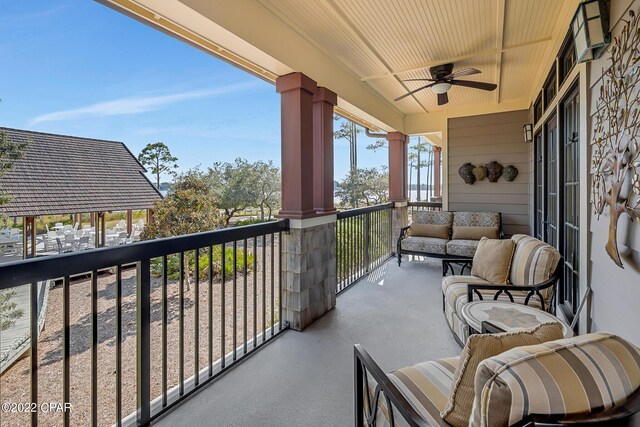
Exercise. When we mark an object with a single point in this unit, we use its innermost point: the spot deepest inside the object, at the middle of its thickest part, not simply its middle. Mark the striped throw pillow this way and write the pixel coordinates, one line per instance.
(571, 376)
(534, 261)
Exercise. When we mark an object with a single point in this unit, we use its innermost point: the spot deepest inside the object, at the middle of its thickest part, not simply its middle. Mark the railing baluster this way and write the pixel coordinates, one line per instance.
(94, 348)
(264, 286)
(223, 297)
(273, 317)
(66, 348)
(118, 345)
(280, 281)
(165, 318)
(255, 291)
(181, 326)
(244, 296)
(33, 326)
(143, 333)
(210, 310)
(235, 298)
(196, 320)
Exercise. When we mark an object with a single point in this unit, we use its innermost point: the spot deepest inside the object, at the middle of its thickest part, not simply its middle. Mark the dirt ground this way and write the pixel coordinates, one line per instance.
(14, 383)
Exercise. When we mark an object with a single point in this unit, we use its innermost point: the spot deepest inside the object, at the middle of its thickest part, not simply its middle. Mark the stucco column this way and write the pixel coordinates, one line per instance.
(437, 178)
(309, 249)
(296, 101)
(323, 102)
(398, 164)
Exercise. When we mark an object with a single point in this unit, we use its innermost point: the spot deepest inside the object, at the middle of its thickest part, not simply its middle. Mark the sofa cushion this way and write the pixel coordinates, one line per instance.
(429, 245)
(479, 348)
(534, 261)
(475, 233)
(476, 219)
(492, 260)
(432, 217)
(462, 247)
(571, 376)
(429, 230)
(426, 386)
(454, 291)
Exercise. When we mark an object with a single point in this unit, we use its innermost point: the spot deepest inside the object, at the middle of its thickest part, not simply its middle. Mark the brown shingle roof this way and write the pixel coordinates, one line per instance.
(66, 174)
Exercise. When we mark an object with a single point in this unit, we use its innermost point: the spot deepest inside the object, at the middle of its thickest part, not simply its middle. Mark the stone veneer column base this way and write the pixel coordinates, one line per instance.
(309, 271)
(399, 220)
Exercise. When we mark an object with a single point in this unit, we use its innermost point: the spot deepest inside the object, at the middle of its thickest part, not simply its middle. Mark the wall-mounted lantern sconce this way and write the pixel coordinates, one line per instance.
(590, 28)
(528, 133)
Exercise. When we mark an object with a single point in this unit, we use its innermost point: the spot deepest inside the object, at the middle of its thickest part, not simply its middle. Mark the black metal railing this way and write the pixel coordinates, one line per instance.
(114, 343)
(423, 206)
(363, 242)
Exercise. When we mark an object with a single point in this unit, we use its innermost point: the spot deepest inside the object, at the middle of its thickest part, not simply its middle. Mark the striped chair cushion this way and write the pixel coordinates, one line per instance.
(454, 291)
(478, 348)
(534, 261)
(433, 217)
(426, 386)
(571, 376)
(476, 219)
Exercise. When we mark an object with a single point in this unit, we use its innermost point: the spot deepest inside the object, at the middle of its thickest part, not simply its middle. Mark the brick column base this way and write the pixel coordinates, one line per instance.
(399, 220)
(309, 270)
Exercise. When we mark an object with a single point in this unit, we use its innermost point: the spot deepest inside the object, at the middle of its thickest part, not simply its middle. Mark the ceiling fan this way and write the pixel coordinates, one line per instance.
(443, 78)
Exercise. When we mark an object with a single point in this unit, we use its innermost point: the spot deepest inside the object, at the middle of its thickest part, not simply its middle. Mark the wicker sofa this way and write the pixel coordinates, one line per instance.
(533, 275)
(591, 379)
(445, 234)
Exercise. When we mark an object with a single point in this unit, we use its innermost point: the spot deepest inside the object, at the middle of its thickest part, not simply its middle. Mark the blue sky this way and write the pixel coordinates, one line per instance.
(79, 68)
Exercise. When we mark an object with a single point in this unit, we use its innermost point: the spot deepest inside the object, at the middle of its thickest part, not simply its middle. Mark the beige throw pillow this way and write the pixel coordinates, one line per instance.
(429, 230)
(492, 260)
(478, 348)
(475, 233)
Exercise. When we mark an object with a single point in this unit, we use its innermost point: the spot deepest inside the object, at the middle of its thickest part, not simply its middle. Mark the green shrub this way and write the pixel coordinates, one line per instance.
(173, 263)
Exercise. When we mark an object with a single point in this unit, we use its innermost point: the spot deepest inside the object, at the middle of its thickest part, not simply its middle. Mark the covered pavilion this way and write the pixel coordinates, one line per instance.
(64, 175)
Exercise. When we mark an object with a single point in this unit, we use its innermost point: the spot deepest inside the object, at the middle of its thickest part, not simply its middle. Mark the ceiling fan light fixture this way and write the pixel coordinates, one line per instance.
(440, 88)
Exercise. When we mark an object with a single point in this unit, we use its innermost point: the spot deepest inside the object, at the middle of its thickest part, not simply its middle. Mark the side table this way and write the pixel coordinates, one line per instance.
(507, 316)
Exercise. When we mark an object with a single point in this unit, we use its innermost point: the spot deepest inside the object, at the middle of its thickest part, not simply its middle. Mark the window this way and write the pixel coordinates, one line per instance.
(549, 89)
(537, 109)
(567, 58)
(570, 215)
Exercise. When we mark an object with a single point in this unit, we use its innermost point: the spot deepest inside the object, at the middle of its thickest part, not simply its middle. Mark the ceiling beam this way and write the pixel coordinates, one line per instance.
(455, 59)
(335, 10)
(499, 44)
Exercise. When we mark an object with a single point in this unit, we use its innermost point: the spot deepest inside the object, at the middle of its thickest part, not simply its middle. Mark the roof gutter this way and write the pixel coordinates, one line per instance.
(370, 134)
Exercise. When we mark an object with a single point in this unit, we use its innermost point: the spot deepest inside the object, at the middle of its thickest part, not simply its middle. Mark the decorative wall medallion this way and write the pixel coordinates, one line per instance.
(494, 170)
(480, 172)
(616, 135)
(510, 173)
(466, 173)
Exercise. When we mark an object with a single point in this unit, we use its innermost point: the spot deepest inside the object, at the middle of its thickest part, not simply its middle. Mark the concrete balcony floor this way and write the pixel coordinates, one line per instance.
(306, 378)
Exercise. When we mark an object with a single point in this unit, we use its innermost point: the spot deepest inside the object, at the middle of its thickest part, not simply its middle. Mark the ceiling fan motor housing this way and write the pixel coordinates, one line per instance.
(440, 71)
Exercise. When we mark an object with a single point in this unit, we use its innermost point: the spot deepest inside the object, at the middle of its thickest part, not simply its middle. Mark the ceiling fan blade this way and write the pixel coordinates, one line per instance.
(463, 72)
(475, 85)
(413, 91)
(419, 80)
(443, 98)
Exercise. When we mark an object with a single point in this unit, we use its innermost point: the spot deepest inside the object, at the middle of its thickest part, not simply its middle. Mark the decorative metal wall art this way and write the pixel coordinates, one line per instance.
(616, 135)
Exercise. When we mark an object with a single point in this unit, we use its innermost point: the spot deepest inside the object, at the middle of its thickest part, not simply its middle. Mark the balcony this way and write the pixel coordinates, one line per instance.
(140, 328)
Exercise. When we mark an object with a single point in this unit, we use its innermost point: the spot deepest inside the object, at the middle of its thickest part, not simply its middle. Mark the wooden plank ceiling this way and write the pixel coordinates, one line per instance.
(385, 41)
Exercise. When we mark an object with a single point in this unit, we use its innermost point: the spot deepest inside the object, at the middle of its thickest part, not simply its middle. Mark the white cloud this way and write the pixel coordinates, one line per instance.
(140, 104)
